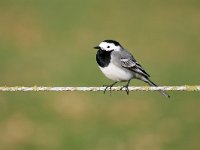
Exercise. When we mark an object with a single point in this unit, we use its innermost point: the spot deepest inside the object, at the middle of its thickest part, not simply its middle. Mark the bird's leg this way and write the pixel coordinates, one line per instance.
(109, 86)
(126, 86)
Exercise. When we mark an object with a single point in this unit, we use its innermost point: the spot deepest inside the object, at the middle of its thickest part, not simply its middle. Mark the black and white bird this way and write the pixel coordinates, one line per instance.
(119, 65)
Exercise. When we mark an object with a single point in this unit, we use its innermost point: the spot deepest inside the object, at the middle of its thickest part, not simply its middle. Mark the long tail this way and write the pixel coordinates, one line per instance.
(147, 80)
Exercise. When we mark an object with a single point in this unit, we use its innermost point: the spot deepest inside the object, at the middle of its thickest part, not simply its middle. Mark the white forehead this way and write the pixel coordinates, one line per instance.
(105, 44)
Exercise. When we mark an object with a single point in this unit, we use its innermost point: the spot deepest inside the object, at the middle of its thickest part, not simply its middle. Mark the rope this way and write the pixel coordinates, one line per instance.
(84, 89)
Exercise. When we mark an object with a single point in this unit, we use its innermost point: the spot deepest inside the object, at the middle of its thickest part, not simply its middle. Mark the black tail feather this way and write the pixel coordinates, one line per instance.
(147, 80)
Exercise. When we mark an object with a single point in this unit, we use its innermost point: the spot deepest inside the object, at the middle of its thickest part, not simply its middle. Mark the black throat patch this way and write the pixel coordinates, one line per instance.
(103, 58)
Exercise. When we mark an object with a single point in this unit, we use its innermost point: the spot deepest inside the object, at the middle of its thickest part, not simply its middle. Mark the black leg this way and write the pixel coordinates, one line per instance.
(126, 86)
(109, 86)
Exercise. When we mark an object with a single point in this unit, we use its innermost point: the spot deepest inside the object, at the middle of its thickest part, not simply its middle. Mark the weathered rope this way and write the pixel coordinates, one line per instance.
(131, 88)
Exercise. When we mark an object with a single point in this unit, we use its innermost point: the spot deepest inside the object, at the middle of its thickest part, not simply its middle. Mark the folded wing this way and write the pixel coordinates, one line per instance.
(134, 66)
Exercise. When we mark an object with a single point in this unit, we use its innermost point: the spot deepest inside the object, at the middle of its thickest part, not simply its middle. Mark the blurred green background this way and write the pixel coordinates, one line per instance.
(50, 43)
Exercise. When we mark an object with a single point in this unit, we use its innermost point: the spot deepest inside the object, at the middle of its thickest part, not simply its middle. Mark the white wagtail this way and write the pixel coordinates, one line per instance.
(119, 65)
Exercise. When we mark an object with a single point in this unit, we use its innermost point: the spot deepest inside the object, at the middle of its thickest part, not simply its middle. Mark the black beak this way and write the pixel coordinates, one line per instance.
(97, 47)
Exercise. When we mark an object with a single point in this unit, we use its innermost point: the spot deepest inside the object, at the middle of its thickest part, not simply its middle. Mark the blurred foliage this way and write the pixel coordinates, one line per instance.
(50, 43)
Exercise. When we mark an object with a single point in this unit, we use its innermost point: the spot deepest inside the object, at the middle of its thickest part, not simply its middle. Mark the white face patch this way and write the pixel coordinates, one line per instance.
(109, 46)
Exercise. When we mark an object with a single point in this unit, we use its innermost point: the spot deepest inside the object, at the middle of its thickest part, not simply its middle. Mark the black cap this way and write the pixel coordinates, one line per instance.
(112, 41)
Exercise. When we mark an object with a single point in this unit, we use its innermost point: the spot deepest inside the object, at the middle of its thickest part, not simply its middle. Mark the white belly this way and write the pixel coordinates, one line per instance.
(115, 73)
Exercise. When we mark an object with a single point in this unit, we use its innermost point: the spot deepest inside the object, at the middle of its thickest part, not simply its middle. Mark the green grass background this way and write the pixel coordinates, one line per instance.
(50, 43)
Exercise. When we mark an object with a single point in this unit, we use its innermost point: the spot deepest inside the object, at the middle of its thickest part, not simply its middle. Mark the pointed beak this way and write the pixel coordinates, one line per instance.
(97, 47)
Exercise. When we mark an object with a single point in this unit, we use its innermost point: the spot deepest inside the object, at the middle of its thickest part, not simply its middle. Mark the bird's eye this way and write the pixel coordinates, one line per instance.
(108, 46)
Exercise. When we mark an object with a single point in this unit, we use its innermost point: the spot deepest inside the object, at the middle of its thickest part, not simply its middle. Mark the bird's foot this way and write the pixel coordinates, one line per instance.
(126, 88)
(108, 86)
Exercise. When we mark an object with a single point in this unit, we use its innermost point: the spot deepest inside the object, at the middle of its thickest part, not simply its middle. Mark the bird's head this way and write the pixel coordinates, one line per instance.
(109, 45)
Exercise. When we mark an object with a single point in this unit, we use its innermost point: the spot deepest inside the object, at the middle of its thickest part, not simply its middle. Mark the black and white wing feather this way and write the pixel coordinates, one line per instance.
(133, 65)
